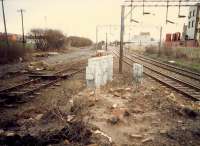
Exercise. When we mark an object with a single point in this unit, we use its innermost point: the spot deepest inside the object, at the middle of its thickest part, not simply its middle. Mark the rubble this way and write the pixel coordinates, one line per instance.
(39, 66)
(93, 145)
(66, 142)
(117, 94)
(133, 136)
(124, 93)
(9, 133)
(39, 116)
(1, 131)
(148, 139)
(53, 53)
(113, 120)
(103, 134)
(190, 112)
(115, 110)
(163, 131)
(128, 89)
(114, 106)
(153, 89)
(40, 54)
(73, 133)
(172, 97)
(70, 118)
(118, 114)
(57, 84)
(127, 96)
(137, 110)
(172, 61)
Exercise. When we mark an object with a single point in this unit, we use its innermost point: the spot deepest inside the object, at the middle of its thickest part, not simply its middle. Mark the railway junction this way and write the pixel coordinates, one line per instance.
(136, 87)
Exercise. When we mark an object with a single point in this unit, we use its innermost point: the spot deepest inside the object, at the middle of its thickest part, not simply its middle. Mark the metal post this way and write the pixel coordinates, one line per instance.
(4, 20)
(45, 22)
(22, 19)
(159, 51)
(96, 37)
(106, 41)
(121, 38)
(167, 11)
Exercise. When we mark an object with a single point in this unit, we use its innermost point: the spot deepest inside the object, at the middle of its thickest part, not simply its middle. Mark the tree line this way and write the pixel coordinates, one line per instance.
(38, 39)
(49, 39)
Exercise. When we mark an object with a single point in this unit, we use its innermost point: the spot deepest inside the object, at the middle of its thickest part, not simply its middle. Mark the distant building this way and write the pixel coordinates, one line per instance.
(144, 38)
(193, 26)
(11, 37)
(191, 31)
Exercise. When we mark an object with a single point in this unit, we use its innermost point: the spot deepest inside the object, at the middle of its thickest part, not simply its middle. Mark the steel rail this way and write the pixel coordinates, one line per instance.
(160, 5)
(169, 81)
(28, 88)
(162, 1)
(188, 73)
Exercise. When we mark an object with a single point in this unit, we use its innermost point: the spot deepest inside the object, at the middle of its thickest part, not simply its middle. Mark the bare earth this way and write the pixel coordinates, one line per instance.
(119, 114)
(13, 74)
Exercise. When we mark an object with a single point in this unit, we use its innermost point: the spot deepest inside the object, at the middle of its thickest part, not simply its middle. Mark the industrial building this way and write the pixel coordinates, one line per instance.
(143, 39)
(193, 26)
(11, 37)
(191, 31)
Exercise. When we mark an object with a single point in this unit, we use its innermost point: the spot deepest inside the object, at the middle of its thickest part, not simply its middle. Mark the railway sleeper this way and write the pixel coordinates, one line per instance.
(196, 93)
(168, 82)
(45, 77)
(196, 96)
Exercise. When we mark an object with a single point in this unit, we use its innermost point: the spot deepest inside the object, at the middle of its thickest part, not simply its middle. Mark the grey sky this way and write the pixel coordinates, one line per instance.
(80, 17)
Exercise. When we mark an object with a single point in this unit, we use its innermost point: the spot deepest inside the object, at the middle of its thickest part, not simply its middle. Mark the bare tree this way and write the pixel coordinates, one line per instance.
(48, 39)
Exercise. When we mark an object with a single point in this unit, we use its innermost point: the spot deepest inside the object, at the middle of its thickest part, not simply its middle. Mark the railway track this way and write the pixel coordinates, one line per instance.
(181, 71)
(22, 92)
(168, 75)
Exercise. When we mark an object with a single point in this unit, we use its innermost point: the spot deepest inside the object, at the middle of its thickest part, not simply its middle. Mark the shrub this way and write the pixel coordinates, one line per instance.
(55, 39)
(14, 52)
(79, 41)
(180, 53)
(151, 49)
(52, 39)
(48, 39)
(167, 51)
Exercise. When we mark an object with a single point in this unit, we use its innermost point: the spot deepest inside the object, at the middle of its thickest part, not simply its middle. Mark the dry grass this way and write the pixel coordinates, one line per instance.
(80, 104)
(177, 53)
(75, 41)
(151, 49)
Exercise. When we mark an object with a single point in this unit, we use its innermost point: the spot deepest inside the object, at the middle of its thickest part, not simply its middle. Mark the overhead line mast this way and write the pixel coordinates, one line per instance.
(4, 20)
(21, 11)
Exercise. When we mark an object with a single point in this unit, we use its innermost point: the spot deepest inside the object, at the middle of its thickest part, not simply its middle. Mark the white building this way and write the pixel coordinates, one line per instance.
(143, 39)
(193, 26)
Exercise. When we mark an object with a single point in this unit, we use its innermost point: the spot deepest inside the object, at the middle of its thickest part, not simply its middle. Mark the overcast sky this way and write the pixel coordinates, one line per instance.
(80, 17)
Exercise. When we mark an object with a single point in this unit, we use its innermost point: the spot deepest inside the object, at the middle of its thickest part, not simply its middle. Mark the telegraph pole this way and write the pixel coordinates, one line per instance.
(121, 38)
(106, 41)
(159, 51)
(22, 19)
(96, 37)
(4, 20)
(45, 22)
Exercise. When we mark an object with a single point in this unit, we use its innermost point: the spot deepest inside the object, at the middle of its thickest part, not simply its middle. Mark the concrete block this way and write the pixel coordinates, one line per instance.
(89, 77)
(100, 69)
(137, 72)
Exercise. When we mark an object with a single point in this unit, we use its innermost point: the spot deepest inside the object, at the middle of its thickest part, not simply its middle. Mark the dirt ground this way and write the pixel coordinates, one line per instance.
(16, 73)
(120, 113)
(150, 114)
